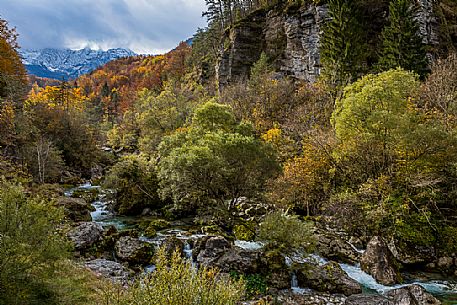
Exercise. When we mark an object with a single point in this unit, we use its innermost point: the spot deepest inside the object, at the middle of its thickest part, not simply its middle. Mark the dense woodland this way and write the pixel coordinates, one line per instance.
(371, 149)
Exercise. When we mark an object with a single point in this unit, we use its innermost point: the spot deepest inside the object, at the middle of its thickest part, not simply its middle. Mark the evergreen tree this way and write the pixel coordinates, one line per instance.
(402, 43)
(341, 46)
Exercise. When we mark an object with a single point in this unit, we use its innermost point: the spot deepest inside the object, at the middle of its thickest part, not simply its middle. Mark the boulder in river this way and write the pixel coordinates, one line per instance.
(327, 278)
(75, 209)
(412, 295)
(109, 269)
(409, 295)
(134, 251)
(171, 244)
(334, 247)
(85, 235)
(379, 262)
(219, 253)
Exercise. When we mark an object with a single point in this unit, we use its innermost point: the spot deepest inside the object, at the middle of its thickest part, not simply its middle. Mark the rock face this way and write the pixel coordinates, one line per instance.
(85, 235)
(109, 269)
(379, 262)
(75, 209)
(291, 39)
(246, 39)
(327, 278)
(133, 250)
(303, 30)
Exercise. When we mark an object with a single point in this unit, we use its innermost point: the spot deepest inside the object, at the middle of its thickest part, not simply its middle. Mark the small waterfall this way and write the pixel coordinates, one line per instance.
(294, 281)
(187, 250)
(360, 251)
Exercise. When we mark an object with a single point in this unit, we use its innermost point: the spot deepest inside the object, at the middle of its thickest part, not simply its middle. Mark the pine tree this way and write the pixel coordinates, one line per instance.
(402, 43)
(342, 45)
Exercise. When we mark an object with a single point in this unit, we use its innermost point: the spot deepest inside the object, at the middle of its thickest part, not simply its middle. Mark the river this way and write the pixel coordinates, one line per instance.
(442, 288)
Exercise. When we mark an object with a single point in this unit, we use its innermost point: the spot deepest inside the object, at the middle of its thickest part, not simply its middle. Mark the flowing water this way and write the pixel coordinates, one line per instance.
(445, 290)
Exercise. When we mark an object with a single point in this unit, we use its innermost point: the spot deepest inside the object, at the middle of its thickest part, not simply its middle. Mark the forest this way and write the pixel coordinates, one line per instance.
(148, 182)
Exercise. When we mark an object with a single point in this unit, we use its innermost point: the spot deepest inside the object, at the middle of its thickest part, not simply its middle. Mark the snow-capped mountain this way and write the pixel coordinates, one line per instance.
(66, 63)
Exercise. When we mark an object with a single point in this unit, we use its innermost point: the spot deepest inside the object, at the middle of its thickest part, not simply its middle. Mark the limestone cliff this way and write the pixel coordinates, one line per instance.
(290, 37)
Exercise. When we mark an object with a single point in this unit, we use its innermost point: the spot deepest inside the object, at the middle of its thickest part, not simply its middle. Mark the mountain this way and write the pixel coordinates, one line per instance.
(66, 63)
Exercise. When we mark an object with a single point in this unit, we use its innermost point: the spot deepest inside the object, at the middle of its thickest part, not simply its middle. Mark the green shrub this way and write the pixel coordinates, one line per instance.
(244, 232)
(255, 284)
(286, 232)
(176, 282)
(448, 239)
(33, 265)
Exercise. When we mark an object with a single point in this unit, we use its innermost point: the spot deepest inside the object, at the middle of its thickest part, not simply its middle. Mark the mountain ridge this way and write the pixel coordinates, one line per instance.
(66, 63)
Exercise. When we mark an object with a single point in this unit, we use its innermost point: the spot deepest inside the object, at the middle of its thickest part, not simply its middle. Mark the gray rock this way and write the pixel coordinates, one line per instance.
(379, 262)
(333, 247)
(289, 298)
(109, 269)
(75, 209)
(412, 295)
(134, 251)
(219, 253)
(445, 262)
(367, 299)
(85, 235)
(171, 244)
(327, 278)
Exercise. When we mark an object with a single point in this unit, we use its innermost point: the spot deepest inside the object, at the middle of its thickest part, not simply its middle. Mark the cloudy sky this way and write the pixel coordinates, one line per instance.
(144, 26)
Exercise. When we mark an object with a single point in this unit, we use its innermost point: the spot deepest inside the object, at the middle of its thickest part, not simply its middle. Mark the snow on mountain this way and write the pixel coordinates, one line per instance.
(66, 63)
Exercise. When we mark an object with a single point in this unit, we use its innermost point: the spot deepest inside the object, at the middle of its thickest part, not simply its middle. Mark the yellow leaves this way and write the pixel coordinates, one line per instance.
(284, 145)
(54, 97)
(272, 136)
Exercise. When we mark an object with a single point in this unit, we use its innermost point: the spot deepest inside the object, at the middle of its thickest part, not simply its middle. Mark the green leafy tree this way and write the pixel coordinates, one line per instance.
(135, 182)
(371, 115)
(402, 43)
(214, 160)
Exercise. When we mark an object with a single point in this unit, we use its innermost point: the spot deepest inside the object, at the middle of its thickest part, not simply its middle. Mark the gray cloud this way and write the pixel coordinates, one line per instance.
(145, 26)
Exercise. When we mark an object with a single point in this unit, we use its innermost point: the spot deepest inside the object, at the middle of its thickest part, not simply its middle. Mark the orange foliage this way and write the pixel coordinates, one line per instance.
(127, 76)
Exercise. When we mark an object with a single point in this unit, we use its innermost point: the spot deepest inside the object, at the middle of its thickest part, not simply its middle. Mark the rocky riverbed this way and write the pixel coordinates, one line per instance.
(117, 248)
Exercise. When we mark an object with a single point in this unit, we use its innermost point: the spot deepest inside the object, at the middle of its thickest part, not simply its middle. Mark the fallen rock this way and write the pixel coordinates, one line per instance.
(75, 209)
(412, 295)
(327, 278)
(110, 270)
(134, 251)
(379, 262)
(85, 235)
